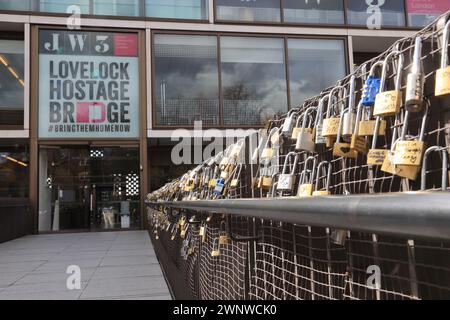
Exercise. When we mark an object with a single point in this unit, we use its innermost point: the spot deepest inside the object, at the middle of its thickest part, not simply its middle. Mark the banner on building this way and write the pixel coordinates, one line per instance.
(88, 84)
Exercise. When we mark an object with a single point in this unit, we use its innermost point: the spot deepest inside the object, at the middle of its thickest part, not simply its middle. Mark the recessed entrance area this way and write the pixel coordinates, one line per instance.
(88, 188)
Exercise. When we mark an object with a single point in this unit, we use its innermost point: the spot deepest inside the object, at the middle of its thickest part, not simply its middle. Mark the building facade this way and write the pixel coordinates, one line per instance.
(92, 91)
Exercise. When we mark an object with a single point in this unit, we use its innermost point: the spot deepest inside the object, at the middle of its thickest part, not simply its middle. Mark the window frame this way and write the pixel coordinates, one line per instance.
(219, 34)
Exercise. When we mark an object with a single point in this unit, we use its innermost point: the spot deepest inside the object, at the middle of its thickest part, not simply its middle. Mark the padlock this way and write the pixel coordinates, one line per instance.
(442, 87)
(286, 181)
(223, 236)
(236, 176)
(342, 148)
(406, 171)
(444, 183)
(268, 152)
(410, 153)
(333, 119)
(202, 232)
(288, 123)
(376, 157)
(371, 86)
(306, 186)
(318, 123)
(388, 103)
(215, 248)
(298, 128)
(325, 191)
(305, 138)
(220, 187)
(415, 81)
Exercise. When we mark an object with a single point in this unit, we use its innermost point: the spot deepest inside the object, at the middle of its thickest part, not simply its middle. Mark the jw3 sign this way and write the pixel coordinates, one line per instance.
(88, 84)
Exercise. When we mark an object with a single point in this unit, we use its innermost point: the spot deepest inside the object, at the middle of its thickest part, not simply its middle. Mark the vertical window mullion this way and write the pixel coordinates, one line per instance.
(219, 73)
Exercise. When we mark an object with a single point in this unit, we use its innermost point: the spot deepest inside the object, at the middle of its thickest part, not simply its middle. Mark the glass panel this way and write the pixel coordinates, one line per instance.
(14, 159)
(423, 12)
(392, 13)
(186, 84)
(88, 188)
(320, 12)
(253, 79)
(238, 10)
(314, 65)
(15, 5)
(177, 9)
(11, 82)
(60, 6)
(117, 7)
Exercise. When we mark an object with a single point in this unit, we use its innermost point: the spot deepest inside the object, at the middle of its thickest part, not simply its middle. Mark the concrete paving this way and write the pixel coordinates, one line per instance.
(114, 265)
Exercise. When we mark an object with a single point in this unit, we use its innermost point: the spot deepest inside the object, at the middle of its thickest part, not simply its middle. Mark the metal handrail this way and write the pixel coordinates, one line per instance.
(412, 214)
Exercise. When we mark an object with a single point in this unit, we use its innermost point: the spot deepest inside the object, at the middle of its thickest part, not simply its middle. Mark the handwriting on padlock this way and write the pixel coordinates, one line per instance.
(387, 103)
(330, 127)
(408, 153)
(376, 156)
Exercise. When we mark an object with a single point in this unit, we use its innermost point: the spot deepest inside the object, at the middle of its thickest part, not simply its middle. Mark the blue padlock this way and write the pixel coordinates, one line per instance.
(370, 91)
(220, 186)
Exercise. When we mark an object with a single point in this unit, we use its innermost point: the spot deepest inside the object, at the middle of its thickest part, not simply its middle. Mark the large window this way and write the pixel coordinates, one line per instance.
(423, 12)
(15, 5)
(392, 13)
(319, 12)
(313, 65)
(253, 79)
(238, 10)
(60, 6)
(11, 82)
(14, 159)
(186, 85)
(177, 9)
(116, 7)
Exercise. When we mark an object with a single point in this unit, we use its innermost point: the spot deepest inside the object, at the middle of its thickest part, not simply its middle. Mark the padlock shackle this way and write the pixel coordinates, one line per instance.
(351, 93)
(338, 89)
(374, 67)
(445, 39)
(423, 182)
(422, 126)
(237, 171)
(305, 170)
(416, 65)
(319, 114)
(287, 160)
(398, 78)
(328, 177)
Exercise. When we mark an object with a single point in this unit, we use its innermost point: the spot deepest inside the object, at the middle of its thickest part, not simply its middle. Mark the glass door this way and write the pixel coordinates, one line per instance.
(88, 188)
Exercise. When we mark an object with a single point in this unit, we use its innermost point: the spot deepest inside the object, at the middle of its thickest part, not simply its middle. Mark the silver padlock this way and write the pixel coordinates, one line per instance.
(305, 138)
(415, 81)
(286, 180)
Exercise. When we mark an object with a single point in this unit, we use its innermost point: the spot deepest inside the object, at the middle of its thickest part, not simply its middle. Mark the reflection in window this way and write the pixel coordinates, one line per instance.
(11, 82)
(324, 11)
(177, 9)
(392, 13)
(421, 13)
(238, 10)
(314, 65)
(253, 79)
(60, 6)
(186, 83)
(116, 7)
(14, 161)
(15, 5)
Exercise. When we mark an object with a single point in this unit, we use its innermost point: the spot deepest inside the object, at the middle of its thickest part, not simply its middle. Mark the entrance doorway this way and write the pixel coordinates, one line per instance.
(88, 188)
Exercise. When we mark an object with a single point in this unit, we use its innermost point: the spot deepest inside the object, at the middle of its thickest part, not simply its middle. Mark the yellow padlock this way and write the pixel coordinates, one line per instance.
(442, 87)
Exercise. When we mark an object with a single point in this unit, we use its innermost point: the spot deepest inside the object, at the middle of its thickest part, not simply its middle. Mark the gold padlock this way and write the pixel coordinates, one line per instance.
(321, 193)
(359, 144)
(443, 74)
(306, 186)
(223, 236)
(367, 128)
(387, 103)
(216, 250)
(409, 153)
(376, 157)
(330, 127)
(341, 149)
(318, 191)
(442, 82)
(408, 172)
